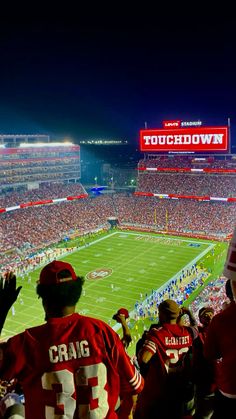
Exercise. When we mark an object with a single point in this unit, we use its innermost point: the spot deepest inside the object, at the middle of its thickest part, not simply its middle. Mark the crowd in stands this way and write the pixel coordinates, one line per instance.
(177, 215)
(214, 294)
(188, 184)
(44, 192)
(55, 221)
(30, 229)
(45, 225)
(187, 161)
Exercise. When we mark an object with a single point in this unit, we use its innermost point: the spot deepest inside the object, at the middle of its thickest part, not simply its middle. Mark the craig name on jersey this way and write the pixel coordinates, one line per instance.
(67, 351)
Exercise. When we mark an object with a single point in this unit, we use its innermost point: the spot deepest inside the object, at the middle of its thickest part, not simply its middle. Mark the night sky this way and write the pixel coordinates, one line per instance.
(104, 73)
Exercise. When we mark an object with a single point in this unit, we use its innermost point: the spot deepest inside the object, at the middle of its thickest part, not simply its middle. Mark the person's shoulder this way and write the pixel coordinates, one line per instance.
(99, 325)
(171, 327)
(228, 314)
(14, 340)
(82, 321)
(228, 311)
(94, 321)
(231, 306)
(155, 330)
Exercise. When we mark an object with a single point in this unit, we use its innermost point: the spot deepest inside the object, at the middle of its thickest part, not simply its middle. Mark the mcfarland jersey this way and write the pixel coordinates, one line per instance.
(70, 367)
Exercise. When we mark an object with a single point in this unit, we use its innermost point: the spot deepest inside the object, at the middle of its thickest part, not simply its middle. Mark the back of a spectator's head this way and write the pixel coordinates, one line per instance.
(59, 286)
(169, 311)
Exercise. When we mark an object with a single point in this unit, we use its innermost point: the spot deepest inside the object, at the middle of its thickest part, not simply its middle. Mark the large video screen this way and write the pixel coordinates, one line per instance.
(197, 139)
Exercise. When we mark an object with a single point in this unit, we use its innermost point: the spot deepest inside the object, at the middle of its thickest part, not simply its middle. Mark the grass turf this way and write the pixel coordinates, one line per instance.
(137, 263)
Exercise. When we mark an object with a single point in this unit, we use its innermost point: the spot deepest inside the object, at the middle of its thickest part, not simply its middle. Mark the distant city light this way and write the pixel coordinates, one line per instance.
(103, 142)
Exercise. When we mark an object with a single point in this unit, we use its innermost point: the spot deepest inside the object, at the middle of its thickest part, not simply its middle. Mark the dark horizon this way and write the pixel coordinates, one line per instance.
(107, 75)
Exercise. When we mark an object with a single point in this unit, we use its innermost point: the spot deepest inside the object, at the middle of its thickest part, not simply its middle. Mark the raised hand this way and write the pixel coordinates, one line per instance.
(8, 295)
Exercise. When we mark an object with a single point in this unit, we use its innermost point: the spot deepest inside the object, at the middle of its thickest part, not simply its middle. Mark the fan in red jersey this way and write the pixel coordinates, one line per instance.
(164, 350)
(203, 373)
(220, 342)
(73, 365)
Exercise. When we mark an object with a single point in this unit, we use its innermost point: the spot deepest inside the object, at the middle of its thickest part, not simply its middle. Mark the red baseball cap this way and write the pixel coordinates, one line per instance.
(124, 312)
(49, 274)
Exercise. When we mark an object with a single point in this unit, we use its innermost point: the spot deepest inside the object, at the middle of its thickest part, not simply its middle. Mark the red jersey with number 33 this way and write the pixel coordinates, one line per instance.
(70, 367)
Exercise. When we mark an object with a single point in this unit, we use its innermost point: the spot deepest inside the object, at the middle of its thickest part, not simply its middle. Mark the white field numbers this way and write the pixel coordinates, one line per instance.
(63, 384)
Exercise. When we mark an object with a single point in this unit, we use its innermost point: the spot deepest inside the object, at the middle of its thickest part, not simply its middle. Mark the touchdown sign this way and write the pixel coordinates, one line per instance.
(200, 139)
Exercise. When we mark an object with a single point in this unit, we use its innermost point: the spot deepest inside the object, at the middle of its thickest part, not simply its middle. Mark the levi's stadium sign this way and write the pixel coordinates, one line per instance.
(179, 124)
(197, 139)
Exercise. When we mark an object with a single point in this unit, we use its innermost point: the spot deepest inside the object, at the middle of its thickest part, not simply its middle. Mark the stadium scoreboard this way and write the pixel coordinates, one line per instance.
(177, 136)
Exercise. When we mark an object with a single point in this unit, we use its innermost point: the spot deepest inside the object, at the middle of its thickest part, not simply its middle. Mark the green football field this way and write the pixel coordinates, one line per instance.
(120, 269)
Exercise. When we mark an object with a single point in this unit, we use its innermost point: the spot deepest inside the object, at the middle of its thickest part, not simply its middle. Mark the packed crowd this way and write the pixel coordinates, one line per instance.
(34, 228)
(187, 161)
(177, 215)
(44, 192)
(188, 184)
(30, 229)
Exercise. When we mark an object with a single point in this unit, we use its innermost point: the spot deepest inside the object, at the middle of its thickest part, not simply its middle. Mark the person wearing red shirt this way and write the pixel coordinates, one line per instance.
(203, 372)
(164, 352)
(73, 365)
(219, 347)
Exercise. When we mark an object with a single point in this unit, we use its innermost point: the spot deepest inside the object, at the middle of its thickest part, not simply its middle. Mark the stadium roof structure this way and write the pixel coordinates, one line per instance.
(17, 138)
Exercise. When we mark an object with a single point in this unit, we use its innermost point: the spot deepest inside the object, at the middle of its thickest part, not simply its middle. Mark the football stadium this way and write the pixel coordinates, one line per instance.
(164, 238)
(125, 268)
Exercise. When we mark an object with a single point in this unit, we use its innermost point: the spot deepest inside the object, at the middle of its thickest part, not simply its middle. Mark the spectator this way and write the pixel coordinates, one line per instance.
(229, 294)
(121, 317)
(165, 350)
(72, 364)
(203, 371)
(220, 347)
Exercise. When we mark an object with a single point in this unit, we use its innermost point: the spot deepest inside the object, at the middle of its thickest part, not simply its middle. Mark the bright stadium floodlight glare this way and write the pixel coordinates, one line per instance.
(2, 145)
(30, 145)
